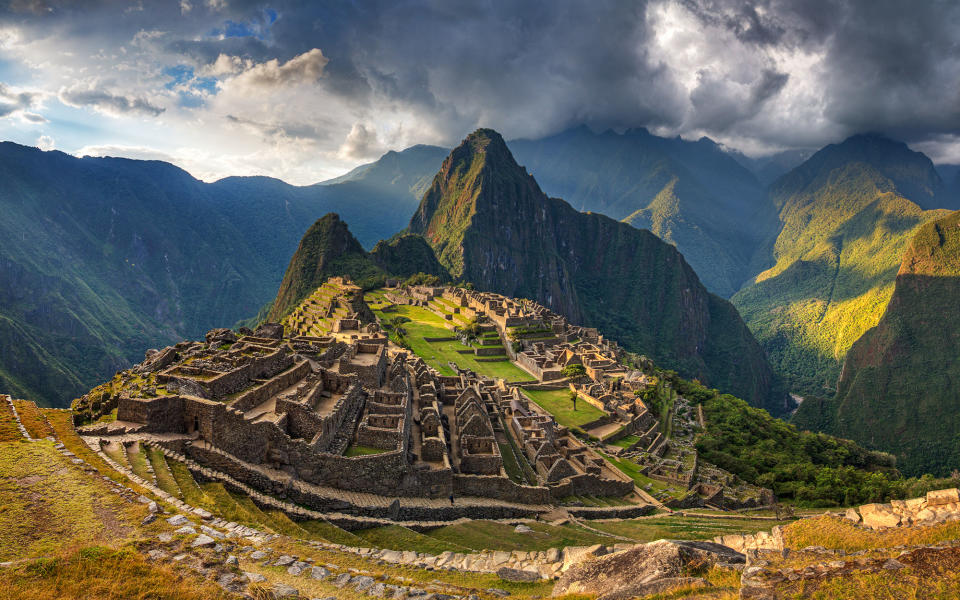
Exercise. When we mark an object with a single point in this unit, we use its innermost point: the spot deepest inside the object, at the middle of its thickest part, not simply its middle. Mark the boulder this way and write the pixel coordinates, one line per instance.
(852, 515)
(878, 516)
(642, 590)
(216, 337)
(575, 554)
(522, 529)
(940, 497)
(643, 564)
(282, 590)
(203, 540)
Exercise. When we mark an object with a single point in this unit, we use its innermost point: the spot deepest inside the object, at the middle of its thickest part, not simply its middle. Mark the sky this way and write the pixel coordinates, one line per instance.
(304, 91)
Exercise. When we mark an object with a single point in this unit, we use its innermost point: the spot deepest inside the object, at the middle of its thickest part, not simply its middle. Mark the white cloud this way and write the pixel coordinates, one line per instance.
(304, 68)
(45, 142)
(361, 143)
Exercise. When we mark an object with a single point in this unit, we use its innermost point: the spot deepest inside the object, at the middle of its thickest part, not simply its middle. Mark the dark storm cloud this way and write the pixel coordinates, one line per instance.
(91, 95)
(532, 68)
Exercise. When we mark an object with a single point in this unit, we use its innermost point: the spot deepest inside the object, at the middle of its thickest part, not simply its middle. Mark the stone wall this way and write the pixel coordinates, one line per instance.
(278, 383)
(492, 486)
(588, 484)
(161, 414)
(937, 506)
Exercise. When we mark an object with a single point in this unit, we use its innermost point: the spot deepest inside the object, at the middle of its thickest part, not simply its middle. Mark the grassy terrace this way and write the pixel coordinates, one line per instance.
(682, 528)
(558, 404)
(424, 324)
(356, 450)
(632, 469)
(626, 441)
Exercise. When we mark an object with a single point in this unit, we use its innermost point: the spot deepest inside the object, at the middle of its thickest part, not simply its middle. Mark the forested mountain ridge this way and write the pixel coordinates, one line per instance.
(847, 215)
(898, 390)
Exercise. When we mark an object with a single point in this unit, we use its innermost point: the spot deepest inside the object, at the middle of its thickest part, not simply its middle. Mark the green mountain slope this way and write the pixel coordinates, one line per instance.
(489, 223)
(899, 387)
(847, 215)
(328, 249)
(691, 194)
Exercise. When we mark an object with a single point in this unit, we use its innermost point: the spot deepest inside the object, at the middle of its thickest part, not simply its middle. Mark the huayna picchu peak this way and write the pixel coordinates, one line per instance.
(490, 224)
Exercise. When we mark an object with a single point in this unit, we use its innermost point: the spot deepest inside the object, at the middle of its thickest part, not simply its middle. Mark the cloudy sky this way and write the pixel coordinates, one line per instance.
(306, 90)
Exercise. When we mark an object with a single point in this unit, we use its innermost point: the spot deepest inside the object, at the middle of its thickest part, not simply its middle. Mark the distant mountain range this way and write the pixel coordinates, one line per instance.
(103, 258)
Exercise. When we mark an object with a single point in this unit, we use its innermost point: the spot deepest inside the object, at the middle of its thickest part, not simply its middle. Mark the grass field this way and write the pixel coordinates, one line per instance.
(558, 404)
(491, 535)
(48, 504)
(354, 450)
(425, 324)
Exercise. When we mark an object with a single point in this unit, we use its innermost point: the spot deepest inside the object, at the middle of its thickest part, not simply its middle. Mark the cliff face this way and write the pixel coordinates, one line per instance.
(489, 223)
(900, 383)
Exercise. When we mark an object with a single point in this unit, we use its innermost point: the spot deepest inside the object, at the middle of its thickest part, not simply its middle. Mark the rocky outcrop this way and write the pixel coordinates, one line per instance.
(937, 507)
(644, 569)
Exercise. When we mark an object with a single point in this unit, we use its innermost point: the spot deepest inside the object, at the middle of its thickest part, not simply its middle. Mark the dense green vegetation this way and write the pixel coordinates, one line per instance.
(592, 269)
(847, 215)
(899, 386)
(811, 469)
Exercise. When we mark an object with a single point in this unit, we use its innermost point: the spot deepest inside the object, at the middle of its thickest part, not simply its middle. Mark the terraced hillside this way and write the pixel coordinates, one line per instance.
(123, 520)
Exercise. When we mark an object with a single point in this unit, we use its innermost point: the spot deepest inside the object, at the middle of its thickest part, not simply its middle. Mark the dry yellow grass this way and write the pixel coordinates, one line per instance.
(47, 503)
(839, 534)
(104, 574)
(32, 419)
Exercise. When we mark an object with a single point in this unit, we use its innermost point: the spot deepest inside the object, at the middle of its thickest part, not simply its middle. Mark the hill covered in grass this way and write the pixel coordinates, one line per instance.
(898, 389)
(847, 216)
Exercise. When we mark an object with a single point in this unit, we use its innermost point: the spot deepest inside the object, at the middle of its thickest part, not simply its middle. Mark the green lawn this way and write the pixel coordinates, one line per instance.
(491, 535)
(424, 323)
(626, 441)
(362, 450)
(558, 404)
(395, 537)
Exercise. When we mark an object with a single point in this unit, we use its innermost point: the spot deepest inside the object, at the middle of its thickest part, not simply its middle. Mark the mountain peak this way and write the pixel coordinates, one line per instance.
(327, 248)
(479, 176)
(890, 163)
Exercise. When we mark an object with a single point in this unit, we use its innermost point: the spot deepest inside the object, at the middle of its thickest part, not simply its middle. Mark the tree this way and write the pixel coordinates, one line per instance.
(573, 398)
